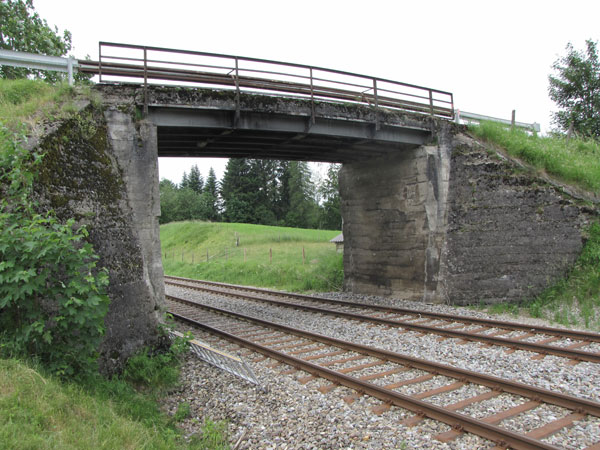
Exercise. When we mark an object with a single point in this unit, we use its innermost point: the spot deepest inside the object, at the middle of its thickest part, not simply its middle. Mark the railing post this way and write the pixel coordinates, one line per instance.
(312, 98)
(70, 70)
(237, 94)
(376, 104)
(431, 102)
(145, 82)
(100, 61)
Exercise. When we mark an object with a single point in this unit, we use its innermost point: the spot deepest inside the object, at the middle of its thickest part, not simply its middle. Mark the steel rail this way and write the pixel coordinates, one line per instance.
(492, 323)
(492, 382)
(578, 355)
(456, 420)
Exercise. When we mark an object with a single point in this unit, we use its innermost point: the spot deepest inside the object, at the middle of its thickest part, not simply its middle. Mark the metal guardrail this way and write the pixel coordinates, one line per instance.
(119, 62)
(222, 360)
(467, 117)
(39, 62)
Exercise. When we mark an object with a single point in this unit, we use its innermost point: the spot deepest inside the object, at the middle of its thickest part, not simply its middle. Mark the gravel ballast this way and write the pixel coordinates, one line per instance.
(284, 413)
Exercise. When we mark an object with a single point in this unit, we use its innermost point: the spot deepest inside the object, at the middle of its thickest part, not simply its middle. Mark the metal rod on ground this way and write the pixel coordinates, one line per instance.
(303, 256)
(270, 255)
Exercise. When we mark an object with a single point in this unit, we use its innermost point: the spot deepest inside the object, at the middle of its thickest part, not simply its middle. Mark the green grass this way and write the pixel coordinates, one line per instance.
(576, 162)
(39, 412)
(25, 103)
(241, 253)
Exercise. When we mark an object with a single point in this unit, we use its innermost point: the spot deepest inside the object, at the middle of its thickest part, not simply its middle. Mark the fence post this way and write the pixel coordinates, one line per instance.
(271, 255)
(512, 120)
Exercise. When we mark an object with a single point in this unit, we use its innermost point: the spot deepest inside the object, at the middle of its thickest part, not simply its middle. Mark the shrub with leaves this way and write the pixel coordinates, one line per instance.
(52, 299)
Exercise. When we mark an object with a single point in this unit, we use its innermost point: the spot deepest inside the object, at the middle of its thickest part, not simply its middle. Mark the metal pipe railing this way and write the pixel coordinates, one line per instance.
(253, 74)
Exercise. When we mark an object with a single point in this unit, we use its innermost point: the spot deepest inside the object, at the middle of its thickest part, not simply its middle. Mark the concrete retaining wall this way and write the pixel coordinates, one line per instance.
(453, 222)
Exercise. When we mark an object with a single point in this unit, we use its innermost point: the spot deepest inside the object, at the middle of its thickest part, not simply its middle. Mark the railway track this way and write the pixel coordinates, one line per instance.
(572, 344)
(398, 380)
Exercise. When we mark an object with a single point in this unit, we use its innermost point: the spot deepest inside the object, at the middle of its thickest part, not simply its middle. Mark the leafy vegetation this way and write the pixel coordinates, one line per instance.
(39, 411)
(255, 255)
(52, 299)
(22, 29)
(575, 88)
(573, 161)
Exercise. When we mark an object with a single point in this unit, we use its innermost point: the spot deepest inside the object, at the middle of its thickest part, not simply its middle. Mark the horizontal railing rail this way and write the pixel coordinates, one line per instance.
(122, 62)
(39, 62)
(469, 118)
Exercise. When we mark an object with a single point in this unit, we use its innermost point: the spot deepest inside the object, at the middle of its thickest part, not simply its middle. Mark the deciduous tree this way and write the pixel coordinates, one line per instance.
(575, 88)
(22, 29)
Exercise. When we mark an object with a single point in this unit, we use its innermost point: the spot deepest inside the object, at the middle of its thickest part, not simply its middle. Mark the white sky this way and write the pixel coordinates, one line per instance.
(493, 56)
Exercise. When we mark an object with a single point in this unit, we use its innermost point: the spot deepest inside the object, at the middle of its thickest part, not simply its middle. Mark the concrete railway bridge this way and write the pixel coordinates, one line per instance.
(429, 213)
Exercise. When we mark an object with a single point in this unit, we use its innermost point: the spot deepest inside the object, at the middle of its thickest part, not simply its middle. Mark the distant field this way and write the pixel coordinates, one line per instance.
(290, 259)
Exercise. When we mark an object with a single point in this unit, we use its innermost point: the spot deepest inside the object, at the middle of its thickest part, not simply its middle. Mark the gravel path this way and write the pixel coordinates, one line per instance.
(287, 414)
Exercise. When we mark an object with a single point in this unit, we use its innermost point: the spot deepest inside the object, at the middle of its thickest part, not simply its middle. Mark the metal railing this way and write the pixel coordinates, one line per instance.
(39, 62)
(470, 118)
(122, 62)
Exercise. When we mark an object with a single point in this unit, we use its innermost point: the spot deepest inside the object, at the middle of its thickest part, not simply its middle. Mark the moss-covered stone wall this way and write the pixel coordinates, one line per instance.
(86, 173)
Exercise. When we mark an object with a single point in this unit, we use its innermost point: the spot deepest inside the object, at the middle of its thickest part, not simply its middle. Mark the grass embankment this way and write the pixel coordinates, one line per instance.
(37, 411)
(574, 300)
(26, 102)
(575, 162)
(241, 253)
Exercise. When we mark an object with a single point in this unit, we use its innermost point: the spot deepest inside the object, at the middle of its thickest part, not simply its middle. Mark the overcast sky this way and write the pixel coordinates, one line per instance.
(493, 56)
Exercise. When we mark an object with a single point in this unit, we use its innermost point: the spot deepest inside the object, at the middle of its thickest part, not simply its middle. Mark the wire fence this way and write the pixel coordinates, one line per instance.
(238, 254)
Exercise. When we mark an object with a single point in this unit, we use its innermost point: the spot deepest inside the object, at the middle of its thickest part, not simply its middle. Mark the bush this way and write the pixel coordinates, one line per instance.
(52, 300)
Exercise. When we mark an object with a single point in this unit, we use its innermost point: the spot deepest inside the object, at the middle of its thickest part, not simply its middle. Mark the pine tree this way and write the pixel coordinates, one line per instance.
(185, 183)
(194, 180)
(330, 215)
(236, 192)
(211, 196)
(303, 208)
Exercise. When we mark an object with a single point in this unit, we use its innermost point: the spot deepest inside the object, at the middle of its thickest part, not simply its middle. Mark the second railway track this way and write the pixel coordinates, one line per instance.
(323, 356)
(572, 344)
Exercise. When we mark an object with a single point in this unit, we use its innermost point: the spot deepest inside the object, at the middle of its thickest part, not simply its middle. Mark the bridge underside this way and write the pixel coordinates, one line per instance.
(190, 132)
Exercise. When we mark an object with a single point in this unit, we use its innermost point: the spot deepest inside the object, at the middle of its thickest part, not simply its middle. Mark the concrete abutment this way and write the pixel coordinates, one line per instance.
(455, 222)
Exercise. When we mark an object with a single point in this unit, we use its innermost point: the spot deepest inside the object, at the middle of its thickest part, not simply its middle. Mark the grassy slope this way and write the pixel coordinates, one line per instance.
(39, 412)
(574, 300)
(321, 271)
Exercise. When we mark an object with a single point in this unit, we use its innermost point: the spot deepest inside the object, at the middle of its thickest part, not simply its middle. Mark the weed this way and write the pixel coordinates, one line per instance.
(182, 413)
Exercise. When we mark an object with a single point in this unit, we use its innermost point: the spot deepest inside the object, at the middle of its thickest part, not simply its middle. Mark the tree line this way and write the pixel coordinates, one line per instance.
(257, 191)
